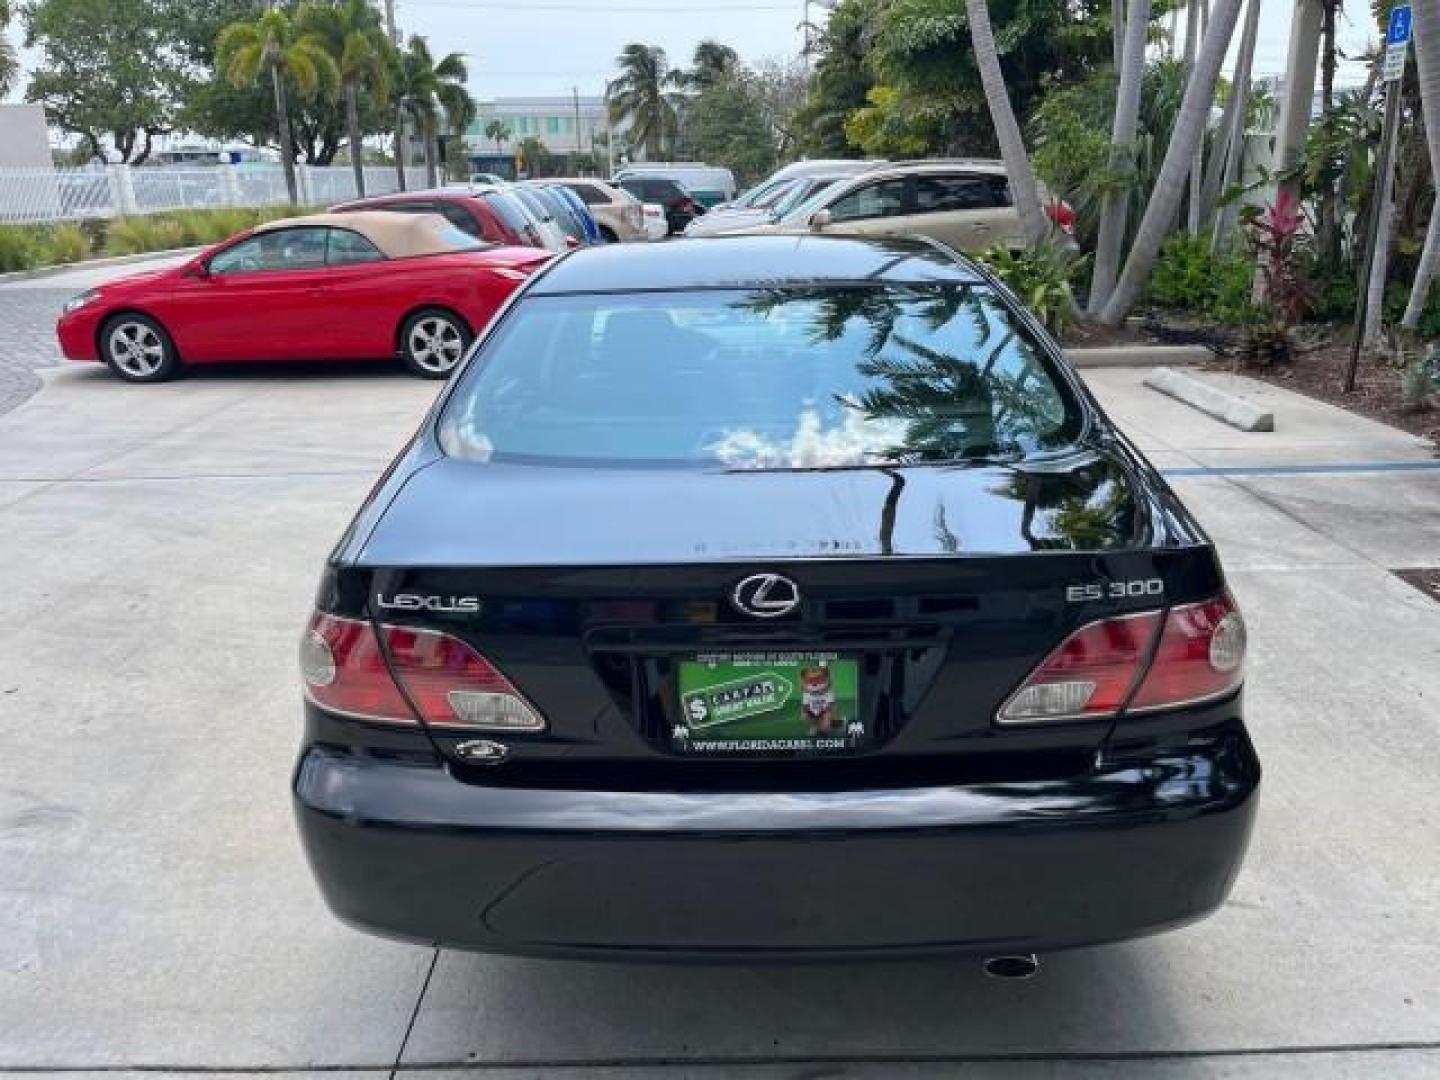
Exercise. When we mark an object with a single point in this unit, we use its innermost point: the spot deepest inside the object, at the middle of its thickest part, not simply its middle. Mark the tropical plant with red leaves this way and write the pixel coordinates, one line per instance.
(1276, 234)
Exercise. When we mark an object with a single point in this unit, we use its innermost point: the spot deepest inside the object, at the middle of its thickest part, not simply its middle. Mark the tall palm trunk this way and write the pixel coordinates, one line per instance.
(352, 132)
(1195, 180)
(400, 145)
(1328, 228)
(1115, 215)
(1427, 59)
(432, 154)
(287, 142)
(1007, 129)
(1380, 265)
(1117, 31)
(1227, 160)
(1170, 184)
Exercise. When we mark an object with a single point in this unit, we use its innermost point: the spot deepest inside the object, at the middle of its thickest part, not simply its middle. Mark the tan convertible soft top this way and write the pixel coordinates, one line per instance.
(397, 235)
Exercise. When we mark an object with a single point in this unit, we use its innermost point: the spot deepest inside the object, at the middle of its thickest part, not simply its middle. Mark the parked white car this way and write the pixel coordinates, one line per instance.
(790, 194)
(763, 192)
(656, 227)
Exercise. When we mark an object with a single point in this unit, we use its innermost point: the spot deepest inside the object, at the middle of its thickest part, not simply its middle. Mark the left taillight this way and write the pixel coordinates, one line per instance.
(1118, 664)
(450, 685)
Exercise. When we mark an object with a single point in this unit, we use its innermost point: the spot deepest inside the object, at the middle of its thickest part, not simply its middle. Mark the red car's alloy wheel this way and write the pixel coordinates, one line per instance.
(138, 349)
(433, 342)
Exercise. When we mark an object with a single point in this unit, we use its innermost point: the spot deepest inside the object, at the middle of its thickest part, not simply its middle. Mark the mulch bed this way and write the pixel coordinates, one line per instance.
(1088, 335)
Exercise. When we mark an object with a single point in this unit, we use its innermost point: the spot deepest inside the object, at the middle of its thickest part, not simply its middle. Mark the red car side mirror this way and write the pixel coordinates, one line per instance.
(571, 242)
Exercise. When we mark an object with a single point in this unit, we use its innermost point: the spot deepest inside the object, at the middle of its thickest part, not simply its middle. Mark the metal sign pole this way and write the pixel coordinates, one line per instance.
(1397, 45)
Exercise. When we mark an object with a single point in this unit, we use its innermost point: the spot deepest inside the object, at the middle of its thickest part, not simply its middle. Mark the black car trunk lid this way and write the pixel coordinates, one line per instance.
(947, 586)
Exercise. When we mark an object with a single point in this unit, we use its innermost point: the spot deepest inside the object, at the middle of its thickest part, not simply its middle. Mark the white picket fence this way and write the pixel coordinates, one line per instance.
(38, 194)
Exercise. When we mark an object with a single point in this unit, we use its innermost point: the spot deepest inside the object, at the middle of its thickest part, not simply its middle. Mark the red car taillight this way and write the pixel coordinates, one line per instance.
(1116, 664)
(1062, 214)
(449, 684)
(1201, 655)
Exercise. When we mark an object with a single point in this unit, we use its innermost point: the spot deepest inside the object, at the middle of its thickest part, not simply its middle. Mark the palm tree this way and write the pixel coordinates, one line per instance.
(498, 131)
(1170, 183)
(1113, 218)
(431, 90)
(1229, 154)
(638, 97)
(1007, 129)
(269, 45)
(1427, 60)
(711, 64)
(354, 34)
(1193, 24)
(9, 62)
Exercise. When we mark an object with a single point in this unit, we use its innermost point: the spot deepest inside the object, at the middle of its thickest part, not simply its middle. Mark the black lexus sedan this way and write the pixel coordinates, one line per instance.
(773, 597)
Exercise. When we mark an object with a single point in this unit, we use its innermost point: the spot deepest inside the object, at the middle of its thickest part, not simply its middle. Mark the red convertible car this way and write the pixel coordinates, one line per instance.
(367, 285)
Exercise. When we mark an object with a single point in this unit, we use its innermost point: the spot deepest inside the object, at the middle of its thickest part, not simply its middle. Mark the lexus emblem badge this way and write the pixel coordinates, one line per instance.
(766, 596)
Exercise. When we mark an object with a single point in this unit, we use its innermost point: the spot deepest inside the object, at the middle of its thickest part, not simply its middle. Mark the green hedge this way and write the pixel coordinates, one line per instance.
(1188, 277)
(26, 247)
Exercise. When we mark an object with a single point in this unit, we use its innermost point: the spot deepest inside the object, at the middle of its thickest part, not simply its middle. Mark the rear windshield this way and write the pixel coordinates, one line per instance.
(787, 378)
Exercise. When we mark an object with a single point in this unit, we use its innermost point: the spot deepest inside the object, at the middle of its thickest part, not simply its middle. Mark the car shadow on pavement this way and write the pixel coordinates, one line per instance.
(1112, 999)
(299, 369)
(256, 371)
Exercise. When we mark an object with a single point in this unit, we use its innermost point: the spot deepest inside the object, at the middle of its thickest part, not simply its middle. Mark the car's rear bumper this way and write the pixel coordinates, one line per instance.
(1133, 847)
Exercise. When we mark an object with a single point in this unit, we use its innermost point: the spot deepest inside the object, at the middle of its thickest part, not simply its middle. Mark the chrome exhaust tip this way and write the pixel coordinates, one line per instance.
(1019, 966)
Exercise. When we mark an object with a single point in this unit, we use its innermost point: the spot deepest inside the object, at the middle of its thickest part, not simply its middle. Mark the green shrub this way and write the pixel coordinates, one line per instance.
(1188, 276)
(65, 243)
(1397, 299)
(152, 232)
(24, 247)
(18, 247)
(1336, 293)
(1040, 277)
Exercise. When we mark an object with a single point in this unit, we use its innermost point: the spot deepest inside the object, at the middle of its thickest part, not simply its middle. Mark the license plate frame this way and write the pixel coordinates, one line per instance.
(791, 702)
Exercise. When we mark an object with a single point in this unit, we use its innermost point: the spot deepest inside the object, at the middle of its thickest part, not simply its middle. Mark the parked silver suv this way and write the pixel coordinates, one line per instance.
(964, 203)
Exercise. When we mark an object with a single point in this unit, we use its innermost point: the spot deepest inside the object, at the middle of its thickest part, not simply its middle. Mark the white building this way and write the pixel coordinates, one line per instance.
(24, 137)
(567, 126)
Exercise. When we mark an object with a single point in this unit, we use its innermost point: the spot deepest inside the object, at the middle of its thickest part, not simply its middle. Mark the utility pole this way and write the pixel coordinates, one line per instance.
(1367, 319)
(575, 90)
(394, 33)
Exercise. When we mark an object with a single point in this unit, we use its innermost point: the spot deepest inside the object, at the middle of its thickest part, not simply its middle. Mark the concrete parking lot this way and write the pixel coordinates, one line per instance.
(158, 551)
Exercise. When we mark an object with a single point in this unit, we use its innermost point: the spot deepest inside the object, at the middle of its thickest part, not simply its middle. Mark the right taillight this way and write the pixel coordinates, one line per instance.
(1117, 664)
(449, 684)
(1201, 655)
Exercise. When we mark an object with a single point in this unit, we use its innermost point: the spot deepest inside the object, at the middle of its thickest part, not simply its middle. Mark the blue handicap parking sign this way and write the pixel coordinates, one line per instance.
(1399, 32)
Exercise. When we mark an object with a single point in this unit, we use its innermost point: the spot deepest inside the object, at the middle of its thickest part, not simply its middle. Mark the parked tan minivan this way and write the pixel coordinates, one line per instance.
(617, 212)
(963, 203)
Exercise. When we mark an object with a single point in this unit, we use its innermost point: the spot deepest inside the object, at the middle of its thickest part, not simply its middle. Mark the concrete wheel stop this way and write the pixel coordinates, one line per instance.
(1211, 400)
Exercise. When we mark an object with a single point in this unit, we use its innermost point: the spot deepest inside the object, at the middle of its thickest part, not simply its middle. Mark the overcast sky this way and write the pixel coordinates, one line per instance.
(544, 47)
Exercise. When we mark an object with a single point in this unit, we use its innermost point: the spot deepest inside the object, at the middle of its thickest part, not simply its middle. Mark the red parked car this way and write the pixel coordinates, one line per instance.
(327, 287)
(485, 213)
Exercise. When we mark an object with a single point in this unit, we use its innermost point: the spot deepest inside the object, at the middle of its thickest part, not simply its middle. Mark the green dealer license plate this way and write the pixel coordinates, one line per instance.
(769, 702)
